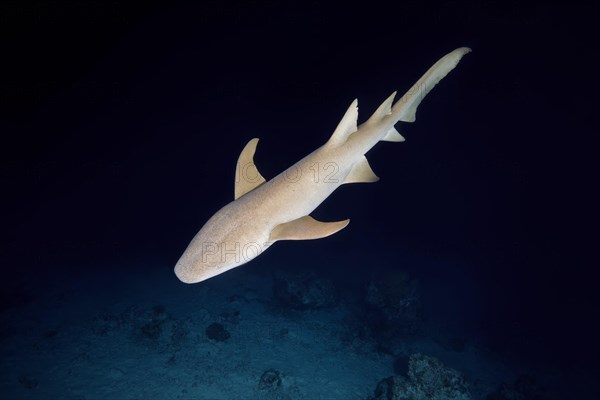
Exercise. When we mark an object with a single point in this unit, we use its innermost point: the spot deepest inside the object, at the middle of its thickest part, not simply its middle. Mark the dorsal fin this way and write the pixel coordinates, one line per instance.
(247, 177)
(347, 126)
(383, 110)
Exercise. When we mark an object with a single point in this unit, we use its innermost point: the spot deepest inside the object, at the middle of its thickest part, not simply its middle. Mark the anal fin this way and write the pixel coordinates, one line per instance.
(361, 172)
(305, 228)
(393, 136)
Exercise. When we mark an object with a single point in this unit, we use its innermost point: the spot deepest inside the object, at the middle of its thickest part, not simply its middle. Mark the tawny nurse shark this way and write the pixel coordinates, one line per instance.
(264, 212)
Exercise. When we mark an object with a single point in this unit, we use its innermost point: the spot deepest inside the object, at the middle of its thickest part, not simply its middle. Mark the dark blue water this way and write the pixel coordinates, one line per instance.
(467, 271)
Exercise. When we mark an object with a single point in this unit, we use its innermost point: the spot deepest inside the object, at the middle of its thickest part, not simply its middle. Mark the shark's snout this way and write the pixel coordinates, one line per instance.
(183, 274)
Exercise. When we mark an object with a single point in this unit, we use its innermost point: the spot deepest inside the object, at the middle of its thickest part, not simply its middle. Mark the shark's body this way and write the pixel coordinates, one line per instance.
(265, 212)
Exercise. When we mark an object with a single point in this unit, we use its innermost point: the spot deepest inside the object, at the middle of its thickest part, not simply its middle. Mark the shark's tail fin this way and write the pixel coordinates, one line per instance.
(406, 107)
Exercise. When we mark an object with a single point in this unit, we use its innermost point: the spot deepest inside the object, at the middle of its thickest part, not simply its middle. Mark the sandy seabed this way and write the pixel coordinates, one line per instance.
(143, 335)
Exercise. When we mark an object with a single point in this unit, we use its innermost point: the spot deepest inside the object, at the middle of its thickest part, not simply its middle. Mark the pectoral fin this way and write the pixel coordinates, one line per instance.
(247, 177)
(306, 228)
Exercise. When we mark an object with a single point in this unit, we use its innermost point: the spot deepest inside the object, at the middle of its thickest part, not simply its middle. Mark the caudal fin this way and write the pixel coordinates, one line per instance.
(405, 108)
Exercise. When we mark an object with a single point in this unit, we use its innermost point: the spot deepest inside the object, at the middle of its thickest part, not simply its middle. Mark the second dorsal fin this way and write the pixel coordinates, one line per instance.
(382, 111)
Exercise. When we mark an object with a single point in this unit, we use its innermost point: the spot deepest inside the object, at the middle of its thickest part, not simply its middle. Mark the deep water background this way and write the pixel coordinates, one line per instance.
(121, 125)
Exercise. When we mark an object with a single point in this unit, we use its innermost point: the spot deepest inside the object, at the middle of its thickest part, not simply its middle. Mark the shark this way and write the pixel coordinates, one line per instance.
(264, 212)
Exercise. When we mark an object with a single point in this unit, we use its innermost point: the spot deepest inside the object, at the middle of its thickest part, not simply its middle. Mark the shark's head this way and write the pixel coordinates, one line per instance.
(197, 266)
(220, 246)
(210, 259)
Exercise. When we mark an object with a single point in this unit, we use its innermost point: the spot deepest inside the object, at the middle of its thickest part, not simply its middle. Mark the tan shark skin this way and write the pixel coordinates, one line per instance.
(265, 212)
